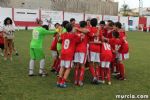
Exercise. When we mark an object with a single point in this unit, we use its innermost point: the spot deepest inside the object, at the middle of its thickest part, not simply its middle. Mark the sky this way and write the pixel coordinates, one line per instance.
(134, 3)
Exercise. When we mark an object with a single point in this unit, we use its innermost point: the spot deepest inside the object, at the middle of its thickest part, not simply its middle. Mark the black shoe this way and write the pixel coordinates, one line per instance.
(17, 54)
(53, 70)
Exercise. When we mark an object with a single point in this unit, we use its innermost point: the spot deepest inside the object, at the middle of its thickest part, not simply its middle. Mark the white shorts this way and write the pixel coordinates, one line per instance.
(94, 57)
(105, 64)
(122, 56)
(54, 53)
(80, 58)
(66, 63)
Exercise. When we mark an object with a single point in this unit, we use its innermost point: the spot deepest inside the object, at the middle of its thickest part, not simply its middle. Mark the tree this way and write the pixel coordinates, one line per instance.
(125, 9)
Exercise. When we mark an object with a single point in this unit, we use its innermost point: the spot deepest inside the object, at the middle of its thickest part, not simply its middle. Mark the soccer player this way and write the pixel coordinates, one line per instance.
(36, 49)
(115, 43)
(123, 52)
(94, 50)
(109, 28)
(102, 28)
(1, 42)
(106, 58)
(69, 41)
(80, 56)
(88, 23)
(61, 29)
(54, 51)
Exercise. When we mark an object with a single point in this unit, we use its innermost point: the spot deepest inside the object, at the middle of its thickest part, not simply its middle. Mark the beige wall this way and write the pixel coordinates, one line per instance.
(87, 6)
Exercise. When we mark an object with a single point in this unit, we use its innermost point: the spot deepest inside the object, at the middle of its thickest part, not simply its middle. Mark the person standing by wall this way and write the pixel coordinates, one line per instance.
(8, 38)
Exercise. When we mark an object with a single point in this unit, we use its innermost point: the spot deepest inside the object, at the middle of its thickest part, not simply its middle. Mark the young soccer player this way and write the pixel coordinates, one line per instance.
(106, 58)
(53, 49)
(123, 52)
(36, 49)
(81, 55)
(94, 49)
(109, 28)
(1, 42)
(115, 43)
(69, 41)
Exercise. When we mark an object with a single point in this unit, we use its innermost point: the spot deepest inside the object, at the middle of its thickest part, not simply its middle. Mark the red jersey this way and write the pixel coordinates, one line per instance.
(115, 44)
(124, 47)
(69, 42)
(109, 34)
(104, 32)
(1, 38)
(82, 46)
(106, 52)
(122, 33)
(54, 43)
(92, 38)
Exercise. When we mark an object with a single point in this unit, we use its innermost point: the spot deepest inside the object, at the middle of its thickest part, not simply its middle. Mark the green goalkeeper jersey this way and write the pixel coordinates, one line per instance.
(38, 35)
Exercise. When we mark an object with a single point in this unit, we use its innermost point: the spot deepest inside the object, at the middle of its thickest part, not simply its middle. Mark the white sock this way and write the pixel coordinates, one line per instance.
(31, 67)
(42, 65)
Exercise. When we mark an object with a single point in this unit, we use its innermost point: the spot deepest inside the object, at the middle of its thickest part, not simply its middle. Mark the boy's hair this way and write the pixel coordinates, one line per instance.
(64, 23)
(69, 27)
(93, 22)
(118, 25)
(5, 21)
(111, 23)
(102, 23)
(115, 34)
(72, 19)
(56, 24)
(46, 27)
(83, 24)
(88, 19)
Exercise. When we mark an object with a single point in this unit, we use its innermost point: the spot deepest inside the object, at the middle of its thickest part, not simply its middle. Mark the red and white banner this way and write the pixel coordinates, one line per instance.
(54, 16)
(26, 17)
(124, 22)
(90, 16)
(78, 16)
(113, 18)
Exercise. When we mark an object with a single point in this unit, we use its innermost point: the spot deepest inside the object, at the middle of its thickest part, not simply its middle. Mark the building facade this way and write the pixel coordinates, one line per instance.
(105, 7)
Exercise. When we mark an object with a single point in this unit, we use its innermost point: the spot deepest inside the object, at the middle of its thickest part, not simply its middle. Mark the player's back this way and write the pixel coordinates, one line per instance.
(69, 41)
(93, 38)
(37, 37)
(106, 52)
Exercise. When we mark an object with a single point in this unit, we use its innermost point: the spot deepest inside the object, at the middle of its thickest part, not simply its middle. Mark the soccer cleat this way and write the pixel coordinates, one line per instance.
(94, 81)
(101, 82)
(58, 84)
(109, 83)
(76, 82)
(81, 83)
(31, 75)
(115, 73)
(63, 85)
(43, 74)
(2, 54)
(53, 70)
(122, 78)
(17, 54)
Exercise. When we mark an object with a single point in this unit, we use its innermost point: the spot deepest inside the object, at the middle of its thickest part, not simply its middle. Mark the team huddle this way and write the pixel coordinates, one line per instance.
(98, 47)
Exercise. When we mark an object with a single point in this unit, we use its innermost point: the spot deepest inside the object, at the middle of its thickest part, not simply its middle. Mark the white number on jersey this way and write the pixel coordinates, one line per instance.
(66, 44)
(96, 39)
(117, 47)
(35, 35)
(107, 46)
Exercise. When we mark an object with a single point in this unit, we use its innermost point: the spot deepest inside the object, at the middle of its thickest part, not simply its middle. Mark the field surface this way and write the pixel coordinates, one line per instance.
(16, 85)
